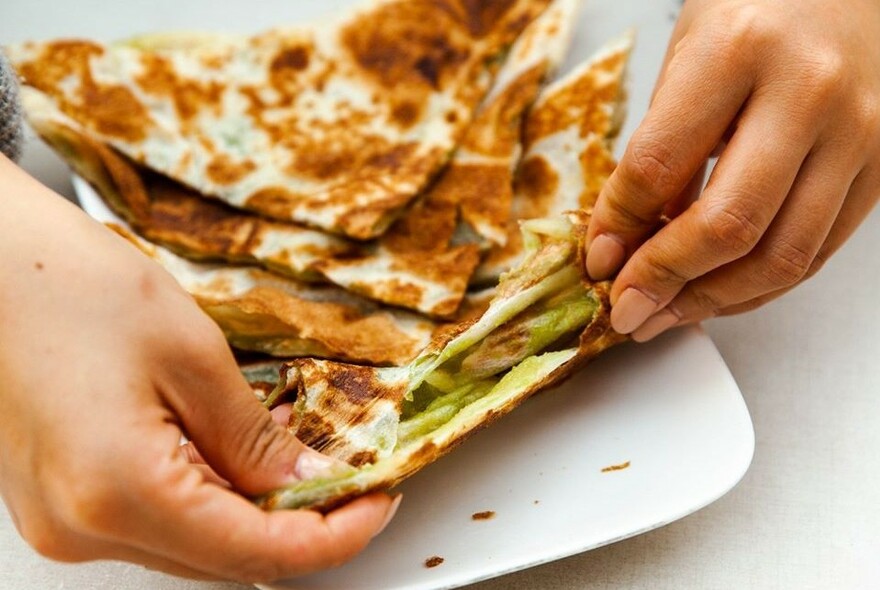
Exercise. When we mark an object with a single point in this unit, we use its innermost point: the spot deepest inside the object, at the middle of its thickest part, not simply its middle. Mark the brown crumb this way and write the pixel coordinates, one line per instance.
(615, 467)
(38, 266)
(487, 515)
(433, 561)
(536, 502)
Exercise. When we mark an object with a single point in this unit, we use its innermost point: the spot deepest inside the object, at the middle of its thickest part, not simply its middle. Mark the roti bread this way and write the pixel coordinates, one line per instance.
(337, 126)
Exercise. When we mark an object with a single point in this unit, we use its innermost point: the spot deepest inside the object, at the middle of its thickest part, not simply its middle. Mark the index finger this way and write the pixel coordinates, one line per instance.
(704, 88)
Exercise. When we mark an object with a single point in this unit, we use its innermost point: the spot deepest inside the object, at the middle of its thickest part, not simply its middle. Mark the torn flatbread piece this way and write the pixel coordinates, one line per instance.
(263, 312)
(569, 145)
(336, 126)
(426, 259)
(546, 320)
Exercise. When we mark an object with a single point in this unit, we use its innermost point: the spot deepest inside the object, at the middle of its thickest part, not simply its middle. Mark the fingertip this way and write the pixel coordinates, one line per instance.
(655, 325)
(389, 515)
(368, 514)
(631, 310)
(281, 414)
(605, 255)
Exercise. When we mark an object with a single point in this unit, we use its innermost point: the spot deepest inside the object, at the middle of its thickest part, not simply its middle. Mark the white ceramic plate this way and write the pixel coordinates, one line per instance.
(669, 408)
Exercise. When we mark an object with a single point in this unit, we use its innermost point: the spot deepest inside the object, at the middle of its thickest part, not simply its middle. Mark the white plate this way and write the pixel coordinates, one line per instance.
(669, 408)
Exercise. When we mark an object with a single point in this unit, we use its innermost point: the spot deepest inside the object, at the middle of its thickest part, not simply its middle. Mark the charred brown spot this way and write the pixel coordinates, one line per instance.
(294, 58)
(362, 458)
(160, 78)
(485, 192)
(274, 201)
(483, 15)
(224, 170)
(57, 61)
(314, 431)
(538, 182)
(408, 45)
(434, 561)
(406, 114)
(357, 383)
(110, 110)
(285, 69)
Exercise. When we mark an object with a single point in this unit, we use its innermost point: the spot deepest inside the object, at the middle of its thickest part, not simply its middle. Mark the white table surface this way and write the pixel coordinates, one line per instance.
(807, 514)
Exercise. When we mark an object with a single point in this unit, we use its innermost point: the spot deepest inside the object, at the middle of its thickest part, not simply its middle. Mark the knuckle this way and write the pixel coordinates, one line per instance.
(663, 273)
(732, 226)
(828, 68)
(260, 440)
(816, 265)
(867, 116)
(649, 166)
(749, 25)
(89, 507)
(703, 303)
(824, 77)
(787, 263)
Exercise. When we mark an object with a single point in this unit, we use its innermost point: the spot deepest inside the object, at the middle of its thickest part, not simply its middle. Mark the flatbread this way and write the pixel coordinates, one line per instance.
(419, 264)
(389, 423)
(336, 126)
(263, 312)
(569, 148)
(439, 240)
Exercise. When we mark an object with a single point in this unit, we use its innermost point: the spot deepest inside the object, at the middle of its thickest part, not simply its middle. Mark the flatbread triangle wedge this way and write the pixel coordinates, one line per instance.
(568, 140)
(337, 126)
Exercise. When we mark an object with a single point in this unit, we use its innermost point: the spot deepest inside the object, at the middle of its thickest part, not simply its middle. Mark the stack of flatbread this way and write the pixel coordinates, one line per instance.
(350, 194)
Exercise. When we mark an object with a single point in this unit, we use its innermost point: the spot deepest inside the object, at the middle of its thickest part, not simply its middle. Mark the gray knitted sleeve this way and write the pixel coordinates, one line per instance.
(11, 136)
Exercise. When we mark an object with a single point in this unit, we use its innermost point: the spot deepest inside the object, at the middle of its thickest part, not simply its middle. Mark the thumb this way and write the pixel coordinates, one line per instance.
(234, 434)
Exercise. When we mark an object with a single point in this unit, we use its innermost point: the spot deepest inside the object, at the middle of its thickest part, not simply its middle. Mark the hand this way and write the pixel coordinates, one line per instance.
(789, 94)
(105, 363)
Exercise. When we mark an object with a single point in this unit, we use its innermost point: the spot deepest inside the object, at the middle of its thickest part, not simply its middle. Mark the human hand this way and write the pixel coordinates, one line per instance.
(789, 94)
(105, 363)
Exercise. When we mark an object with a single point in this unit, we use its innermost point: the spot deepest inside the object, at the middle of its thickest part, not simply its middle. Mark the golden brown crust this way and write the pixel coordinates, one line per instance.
(297, 138)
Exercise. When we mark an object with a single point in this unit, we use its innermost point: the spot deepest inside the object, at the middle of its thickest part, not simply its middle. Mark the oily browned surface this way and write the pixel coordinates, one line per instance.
(345, 395)
(266, 319)
(474, 190)
(110, 109)
(587, 102)
(401, 53)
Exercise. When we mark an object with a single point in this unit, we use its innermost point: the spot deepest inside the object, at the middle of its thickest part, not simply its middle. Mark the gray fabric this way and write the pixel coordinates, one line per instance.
(11, 136)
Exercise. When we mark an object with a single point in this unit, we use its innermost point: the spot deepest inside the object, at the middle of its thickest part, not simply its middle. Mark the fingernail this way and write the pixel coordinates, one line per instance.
(605, 256)
(631, 310)
(311, 464)
(655, 325)
(392, 510)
